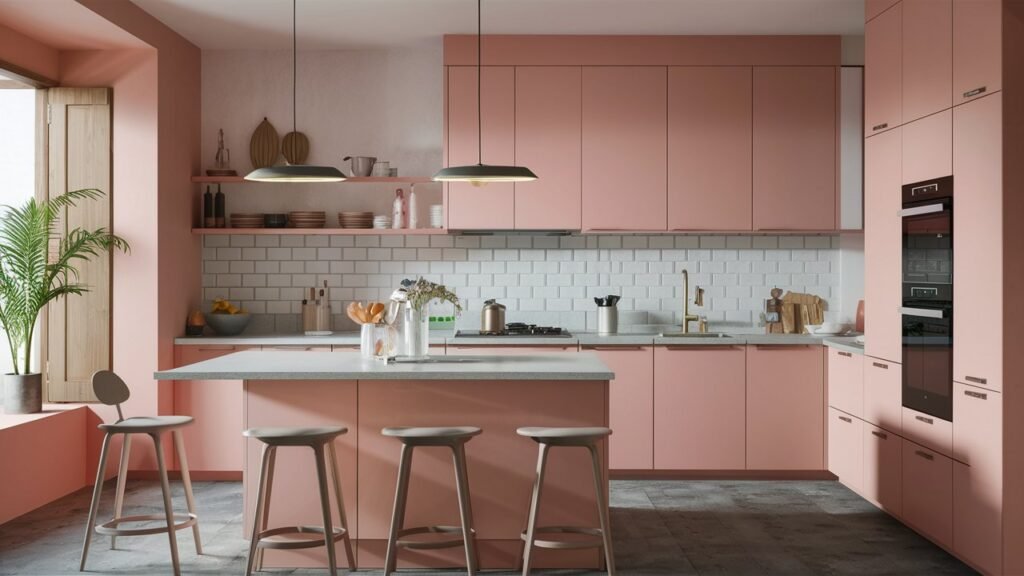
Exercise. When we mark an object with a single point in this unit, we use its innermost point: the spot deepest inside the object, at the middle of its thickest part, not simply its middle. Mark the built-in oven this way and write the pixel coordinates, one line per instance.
(927, 309)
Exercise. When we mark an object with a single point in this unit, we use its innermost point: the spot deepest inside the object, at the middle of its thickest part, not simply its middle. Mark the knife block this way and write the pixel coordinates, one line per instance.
(316, 319)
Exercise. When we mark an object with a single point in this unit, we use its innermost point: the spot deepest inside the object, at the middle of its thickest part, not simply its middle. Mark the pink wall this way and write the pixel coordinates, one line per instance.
(24, 52)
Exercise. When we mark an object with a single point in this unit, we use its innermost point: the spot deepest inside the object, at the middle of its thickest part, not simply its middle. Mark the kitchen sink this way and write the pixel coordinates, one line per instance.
(694, 335)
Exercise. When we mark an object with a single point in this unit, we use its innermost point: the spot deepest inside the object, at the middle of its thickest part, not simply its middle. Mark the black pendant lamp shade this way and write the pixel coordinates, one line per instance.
(480, 173)
(295, 172)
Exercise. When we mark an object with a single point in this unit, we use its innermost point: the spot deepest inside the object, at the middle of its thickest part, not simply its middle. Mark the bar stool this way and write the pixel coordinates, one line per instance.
(454, 438)
(262, 537)
(111, 390)
(579, 437)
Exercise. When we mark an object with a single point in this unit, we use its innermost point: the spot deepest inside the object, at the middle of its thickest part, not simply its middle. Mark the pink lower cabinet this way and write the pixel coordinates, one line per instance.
(846, 381)
(883, 394)
(785, 407)
(630, 405)
(928, 430)
(699, 408)
(882, 471)
(213, 442)
(928, 492)
(845, 448)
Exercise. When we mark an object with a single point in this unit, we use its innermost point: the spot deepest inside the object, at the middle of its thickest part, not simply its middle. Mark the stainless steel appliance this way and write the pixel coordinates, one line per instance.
(927, 310)
(519, 329)
(492, 317)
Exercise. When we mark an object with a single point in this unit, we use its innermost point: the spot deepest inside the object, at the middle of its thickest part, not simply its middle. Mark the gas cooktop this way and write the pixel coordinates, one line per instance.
(519, 329)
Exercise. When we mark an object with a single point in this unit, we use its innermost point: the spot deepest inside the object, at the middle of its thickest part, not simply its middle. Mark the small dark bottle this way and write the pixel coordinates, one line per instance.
(218, 209)
(208, 219)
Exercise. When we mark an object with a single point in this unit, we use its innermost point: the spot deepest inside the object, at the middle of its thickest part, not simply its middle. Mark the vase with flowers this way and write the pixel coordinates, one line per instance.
(419, 294)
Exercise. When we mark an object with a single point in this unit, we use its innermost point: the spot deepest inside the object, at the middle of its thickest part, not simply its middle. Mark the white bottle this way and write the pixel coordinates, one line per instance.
(398, 210)
(412, 209)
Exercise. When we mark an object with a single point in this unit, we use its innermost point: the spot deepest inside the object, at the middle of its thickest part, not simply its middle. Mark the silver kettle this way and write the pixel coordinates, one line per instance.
(492, 318)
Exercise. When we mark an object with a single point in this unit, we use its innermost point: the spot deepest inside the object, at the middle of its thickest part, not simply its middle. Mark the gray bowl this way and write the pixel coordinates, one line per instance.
(228, 324)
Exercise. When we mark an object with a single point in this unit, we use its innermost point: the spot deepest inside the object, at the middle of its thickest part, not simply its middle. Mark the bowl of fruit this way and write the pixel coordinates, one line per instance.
(226, 319)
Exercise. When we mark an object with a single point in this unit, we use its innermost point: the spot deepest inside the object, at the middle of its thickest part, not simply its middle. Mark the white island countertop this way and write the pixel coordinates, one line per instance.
(301, 365)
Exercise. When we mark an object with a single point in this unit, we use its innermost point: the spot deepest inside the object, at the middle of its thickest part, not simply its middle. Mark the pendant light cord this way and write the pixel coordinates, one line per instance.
(479, 89)
(295, 66)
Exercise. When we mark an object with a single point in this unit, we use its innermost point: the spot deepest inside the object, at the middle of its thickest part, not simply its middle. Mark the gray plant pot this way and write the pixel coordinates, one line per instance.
(23, 393)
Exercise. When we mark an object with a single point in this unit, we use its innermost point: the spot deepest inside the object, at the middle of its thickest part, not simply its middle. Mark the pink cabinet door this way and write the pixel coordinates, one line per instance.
(978, 427)
(548, 128)
(883, 394)
(846, 381)
(794, 152)
(213, 443)
(882, 478)
(873, 8)
(709, 148)
(978, 517)
(928, 148)
(883, 71)
(928, 492)
(927, 430)
(785, 408)
(978, 243)
(845, 448)
(630, 406)
(491, 206)
(883, 232)
(927, 57)
(624, 147)
(977, 49)
(698, 408)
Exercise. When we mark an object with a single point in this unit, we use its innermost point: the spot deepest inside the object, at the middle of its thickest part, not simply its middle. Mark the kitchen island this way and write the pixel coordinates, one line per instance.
(495, 393)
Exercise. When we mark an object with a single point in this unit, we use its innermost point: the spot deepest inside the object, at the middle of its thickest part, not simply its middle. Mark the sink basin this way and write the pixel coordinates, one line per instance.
(694, 335)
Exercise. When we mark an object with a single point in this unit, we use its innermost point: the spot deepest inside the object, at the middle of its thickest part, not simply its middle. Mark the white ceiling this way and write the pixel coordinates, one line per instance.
(345, 24)
(65, 25)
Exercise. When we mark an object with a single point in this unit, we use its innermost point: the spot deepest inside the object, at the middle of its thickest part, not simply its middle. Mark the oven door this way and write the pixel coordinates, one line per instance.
(928, 361)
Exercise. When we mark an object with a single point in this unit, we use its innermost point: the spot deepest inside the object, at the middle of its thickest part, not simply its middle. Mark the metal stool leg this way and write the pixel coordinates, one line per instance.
(325, 506)
(465, 507)
(186, 481)
(122, 473)
(341, 505)
(602, 512)
(531, 524)
(97, 489)
(266, 469)
(168, 504)
(398, 515)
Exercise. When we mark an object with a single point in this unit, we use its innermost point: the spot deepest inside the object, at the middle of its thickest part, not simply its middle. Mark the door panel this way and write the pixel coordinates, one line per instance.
(883, 469)
(883, 394)
(977, 49)
(630, 406)
(883, 71)
(927, 57)
(928, 492)
(978, 517)
(928, 148)
(845, 448)
(846, 381)
(883, 232)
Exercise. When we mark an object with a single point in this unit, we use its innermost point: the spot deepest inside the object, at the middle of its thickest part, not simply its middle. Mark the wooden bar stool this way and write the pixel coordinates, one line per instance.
(454, 438)
(326, 535)
(111, 390)
(601, 537)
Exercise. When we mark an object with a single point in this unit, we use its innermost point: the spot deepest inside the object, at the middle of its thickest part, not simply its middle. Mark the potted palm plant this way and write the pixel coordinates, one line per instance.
(37, 266)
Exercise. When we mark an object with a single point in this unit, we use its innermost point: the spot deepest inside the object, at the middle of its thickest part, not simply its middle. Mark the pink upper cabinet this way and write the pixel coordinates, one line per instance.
(630, 406)
(709, 148)
(492, 206)
(883, 71)
(548, 128)
(928, 147)
(927, 57)
(624, 148)
(977, 45)
(978, 243)
(882, 241)
(873, 8)
(795, 148)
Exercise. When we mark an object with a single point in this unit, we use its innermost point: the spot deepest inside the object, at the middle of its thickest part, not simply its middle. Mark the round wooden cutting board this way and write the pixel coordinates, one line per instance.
(264, 145)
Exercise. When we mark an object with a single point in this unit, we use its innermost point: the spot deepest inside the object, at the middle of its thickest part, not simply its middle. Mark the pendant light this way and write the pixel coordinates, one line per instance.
(480, 173)
(295, 172)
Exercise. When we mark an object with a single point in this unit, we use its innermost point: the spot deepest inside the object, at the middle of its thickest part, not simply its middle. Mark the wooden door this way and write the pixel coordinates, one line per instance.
(977, 49)
(795, 147)
(709, 148)
(882, 480)
(630, 406)
(78, 328)
(883, 71)
(978, 243)
(928, 492)
(927, 57)
(846, 381)
(928, 148)
(845, 448)
(699, 408)
(883, 232)
(548, 129)
(624, 148)
(785, 408)
(491, 206)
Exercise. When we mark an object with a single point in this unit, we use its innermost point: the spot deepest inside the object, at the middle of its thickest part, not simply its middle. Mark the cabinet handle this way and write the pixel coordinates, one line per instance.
(978, 395)
(924, 455)
(880, 126)
(846, 419)
(881, 435)
(702, 348)
(782, 346)
(612, 347)
(976, 380)
(924, 419)
(847, 354)
(880, 365)
(975, 92)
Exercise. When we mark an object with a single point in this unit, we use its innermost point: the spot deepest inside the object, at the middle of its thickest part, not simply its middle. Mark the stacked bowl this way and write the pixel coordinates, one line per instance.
(307, 219)
(355, 219)
(239, 220)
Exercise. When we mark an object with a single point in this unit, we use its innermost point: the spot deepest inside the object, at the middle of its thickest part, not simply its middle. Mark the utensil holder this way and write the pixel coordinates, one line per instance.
(607, 319)
(377, 342)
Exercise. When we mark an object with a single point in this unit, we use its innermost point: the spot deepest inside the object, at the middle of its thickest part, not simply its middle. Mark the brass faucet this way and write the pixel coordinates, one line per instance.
(698, 300)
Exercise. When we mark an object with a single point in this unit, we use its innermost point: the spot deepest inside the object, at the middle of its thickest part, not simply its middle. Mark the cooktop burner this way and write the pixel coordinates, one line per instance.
(519, 329)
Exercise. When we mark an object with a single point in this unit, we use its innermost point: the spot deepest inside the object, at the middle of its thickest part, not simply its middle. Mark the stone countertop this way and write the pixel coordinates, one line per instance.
(845, 343)
(300, 365)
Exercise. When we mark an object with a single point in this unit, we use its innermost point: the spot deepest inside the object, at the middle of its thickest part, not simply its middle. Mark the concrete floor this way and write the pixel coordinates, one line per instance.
(659, 527)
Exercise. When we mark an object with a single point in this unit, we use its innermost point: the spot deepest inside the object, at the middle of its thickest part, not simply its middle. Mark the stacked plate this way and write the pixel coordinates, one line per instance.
(307, 219)
(246, 220)
(382, 221)
(437, 216)
(355, 219)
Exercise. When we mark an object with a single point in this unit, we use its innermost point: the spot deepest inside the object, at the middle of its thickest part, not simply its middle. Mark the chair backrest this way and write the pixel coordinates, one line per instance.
(110, 389)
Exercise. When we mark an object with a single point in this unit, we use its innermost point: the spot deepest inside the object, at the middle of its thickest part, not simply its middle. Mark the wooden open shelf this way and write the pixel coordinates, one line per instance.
(350, 180)
(321, 231)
